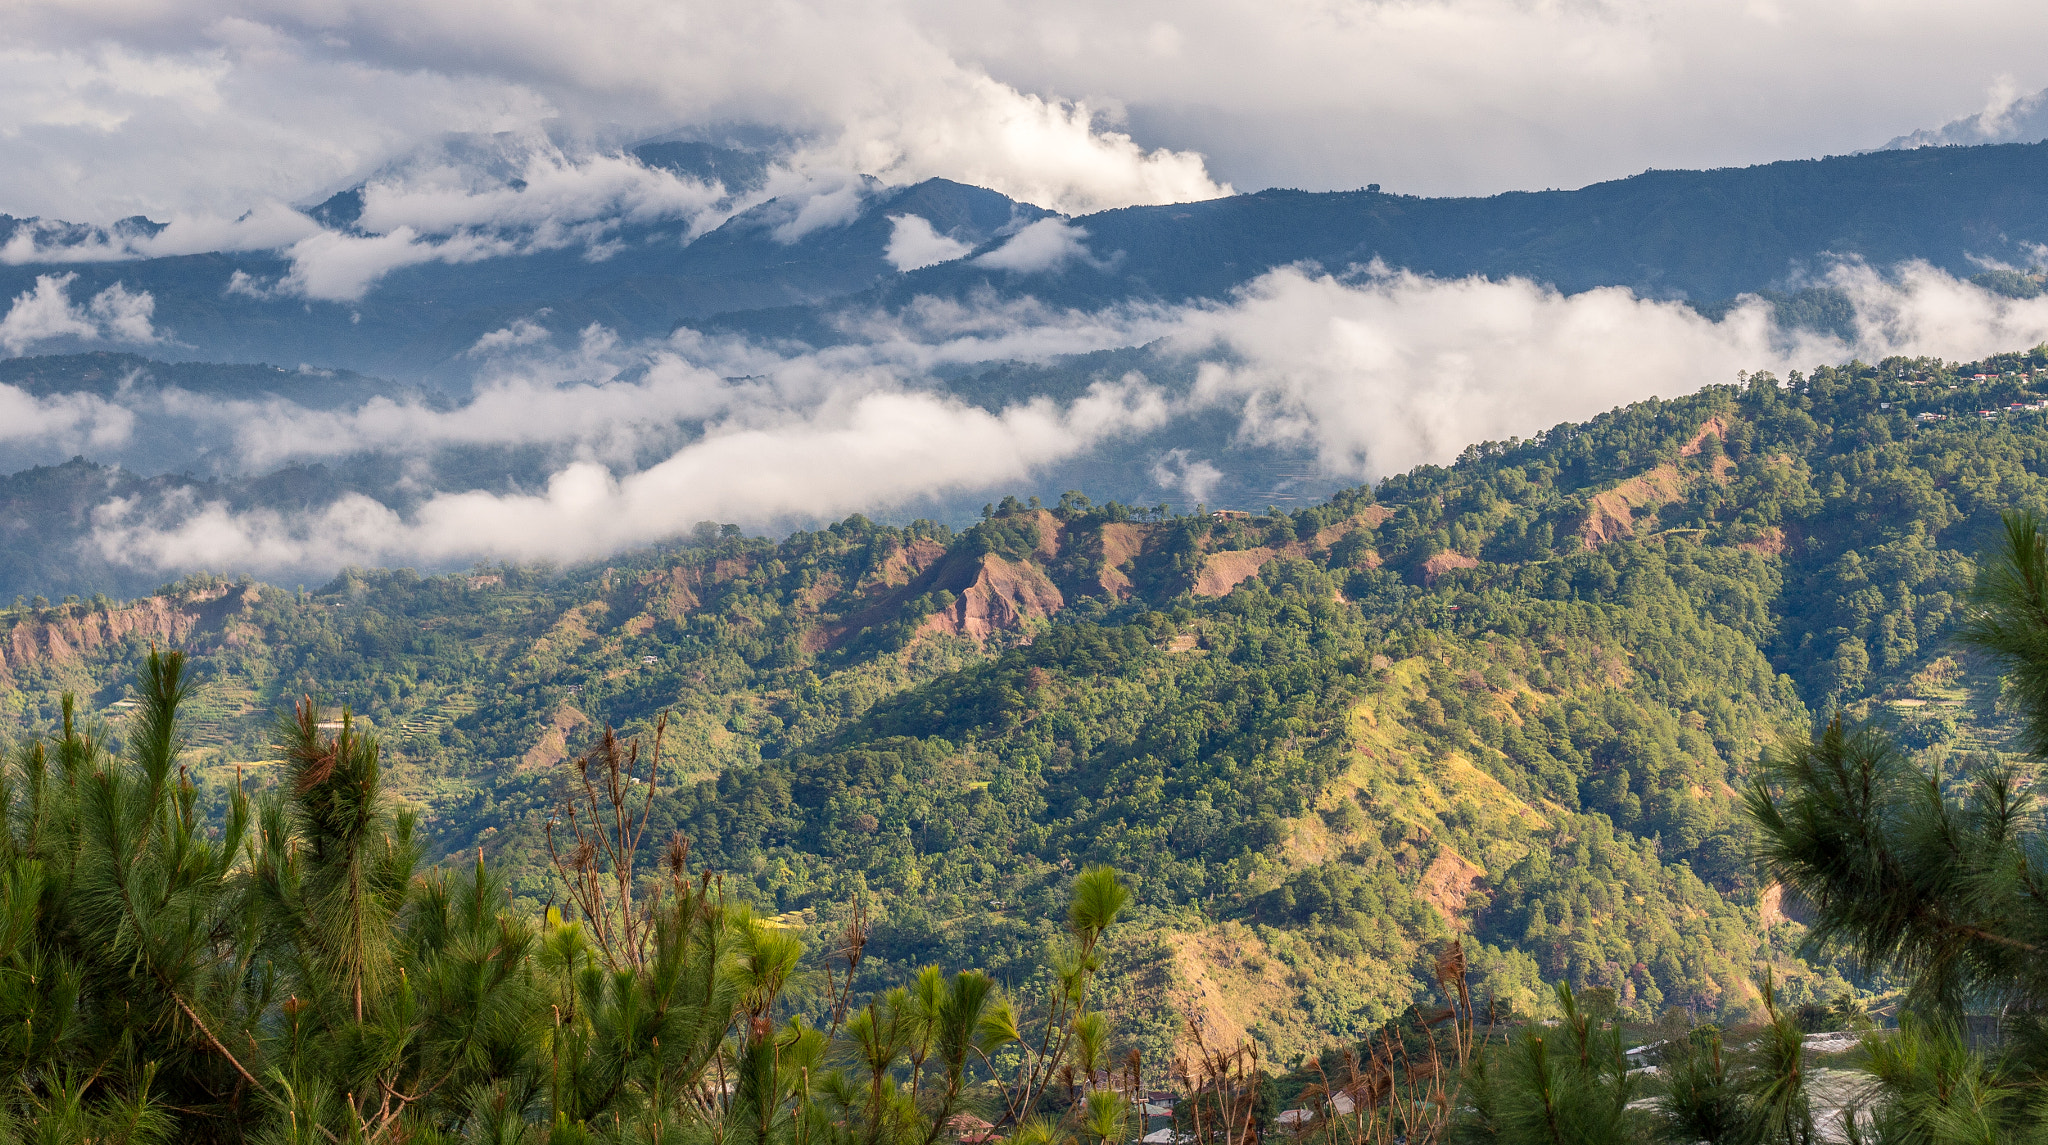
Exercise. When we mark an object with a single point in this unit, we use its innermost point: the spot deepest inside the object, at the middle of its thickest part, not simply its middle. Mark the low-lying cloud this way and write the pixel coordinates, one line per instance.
(68, 422)
(1381, 371)
(1365, 374)
(879, 449)
(458, 201)
(1043, 247)
(914, 243)
(1389, 370)
(46, 313)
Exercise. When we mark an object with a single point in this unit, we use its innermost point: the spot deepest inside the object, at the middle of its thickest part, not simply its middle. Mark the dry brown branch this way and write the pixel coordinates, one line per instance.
(606, 824)
(852, 942)
(1395, 1094)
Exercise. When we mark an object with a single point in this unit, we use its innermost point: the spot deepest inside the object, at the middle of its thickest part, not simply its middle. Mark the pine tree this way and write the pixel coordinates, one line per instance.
(290, 973)
(1947, 886)
(1940, 880)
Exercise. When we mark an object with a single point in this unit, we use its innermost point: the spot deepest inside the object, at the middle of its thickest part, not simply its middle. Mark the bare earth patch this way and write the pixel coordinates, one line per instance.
(1611, 515)
(1444, 562)
(1225, 571)
(553, 746)
(1446, 883)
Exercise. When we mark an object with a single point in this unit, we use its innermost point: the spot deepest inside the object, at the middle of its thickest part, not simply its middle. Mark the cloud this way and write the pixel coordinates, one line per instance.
(878, 449)
(1051, 152)
(249, 286)
(914, 244)
(573, 397)
(46, 312)
(1918, 309)
(457, 200)
(2008, 117)
(124, 314)
(1190, 476)
(613, 402)
(514, 194)
(203, 109)
(1044, 246)
(335, 267)
(1388, 371)
(67, 421)
(521, 333)
(1480, 96)
(206, 108)
(1378, 372)
(1362, 374)
(814, 209)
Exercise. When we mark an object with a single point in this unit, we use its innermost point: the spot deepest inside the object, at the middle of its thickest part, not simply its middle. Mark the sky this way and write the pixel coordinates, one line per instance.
(212, 109)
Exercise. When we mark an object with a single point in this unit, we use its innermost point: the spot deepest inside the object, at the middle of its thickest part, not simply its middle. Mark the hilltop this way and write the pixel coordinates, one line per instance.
(1508, 698)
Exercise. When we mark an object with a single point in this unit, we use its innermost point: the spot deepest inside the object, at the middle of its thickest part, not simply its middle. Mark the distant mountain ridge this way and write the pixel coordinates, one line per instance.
(1703, 236)
(1698, 235)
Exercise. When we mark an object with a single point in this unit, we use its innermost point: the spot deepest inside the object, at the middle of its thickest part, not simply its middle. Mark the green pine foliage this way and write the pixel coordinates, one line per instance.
(287, 972)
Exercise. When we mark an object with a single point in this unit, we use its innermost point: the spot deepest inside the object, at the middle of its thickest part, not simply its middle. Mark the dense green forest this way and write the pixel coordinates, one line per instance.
(1511, 700)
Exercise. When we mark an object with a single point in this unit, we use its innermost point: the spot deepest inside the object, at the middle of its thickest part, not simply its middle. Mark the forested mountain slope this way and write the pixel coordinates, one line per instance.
(1506, 698)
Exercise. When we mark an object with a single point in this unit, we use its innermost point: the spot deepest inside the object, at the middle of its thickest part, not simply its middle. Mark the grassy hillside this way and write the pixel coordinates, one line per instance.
(1506, 698)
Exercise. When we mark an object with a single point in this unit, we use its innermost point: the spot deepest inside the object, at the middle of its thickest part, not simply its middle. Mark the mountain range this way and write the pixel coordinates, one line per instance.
(1704, 236)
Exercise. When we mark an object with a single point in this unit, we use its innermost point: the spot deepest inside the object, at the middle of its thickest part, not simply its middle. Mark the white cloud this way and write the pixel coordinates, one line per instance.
(813, 208)
(1044, 246)
(124, 314)
(45, 312)
(1387, 371)
(1188, 475)
(1051, 152)
(515, 193)
(1478, 96)
(249, 286)
(67, 421)
(1394, 370)
(879, 449)
(204, 108)
(914, 244)
(521, 333)
(1369, 373)
(210, 114)
(335, 267)
(2008, 117)
(1918, 309)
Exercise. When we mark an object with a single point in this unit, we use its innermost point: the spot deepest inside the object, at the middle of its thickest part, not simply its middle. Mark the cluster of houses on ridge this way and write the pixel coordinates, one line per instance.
(1986, 414)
